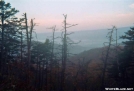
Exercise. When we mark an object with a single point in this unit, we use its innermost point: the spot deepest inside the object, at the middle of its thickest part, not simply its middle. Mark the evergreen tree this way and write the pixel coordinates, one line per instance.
(7, 30)
(126, 59)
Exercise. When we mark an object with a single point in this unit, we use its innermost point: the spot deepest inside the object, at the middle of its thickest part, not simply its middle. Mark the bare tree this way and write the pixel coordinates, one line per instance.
(110, 37)
(29, 37)
(64, 51)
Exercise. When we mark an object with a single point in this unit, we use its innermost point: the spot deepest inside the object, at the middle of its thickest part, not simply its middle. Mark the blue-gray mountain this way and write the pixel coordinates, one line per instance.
(89, 38)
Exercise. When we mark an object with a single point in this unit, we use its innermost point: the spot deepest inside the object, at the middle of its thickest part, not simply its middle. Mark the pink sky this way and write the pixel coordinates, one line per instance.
(88, 14)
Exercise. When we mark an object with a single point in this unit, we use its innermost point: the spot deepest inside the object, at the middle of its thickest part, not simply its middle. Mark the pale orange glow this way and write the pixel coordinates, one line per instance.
(87, 22)
(88, 14)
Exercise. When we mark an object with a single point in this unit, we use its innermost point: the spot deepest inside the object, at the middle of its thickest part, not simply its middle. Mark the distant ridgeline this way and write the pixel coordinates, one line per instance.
(89, 38)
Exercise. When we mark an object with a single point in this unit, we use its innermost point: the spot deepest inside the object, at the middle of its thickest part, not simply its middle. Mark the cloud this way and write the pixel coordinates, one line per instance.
(131, 6)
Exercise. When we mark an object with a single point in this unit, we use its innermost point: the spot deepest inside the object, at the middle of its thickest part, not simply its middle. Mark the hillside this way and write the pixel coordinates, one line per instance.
(89, 38)
(91, 58)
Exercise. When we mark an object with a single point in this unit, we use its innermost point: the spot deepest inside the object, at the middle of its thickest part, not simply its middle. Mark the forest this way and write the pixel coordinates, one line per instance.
(27, 64)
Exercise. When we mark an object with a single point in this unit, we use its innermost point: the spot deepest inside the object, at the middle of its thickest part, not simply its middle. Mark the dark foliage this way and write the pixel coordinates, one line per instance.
(27, 65)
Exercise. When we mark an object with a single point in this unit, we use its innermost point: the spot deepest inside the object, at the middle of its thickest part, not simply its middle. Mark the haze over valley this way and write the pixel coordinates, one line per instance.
(66, 45)
(85, 39)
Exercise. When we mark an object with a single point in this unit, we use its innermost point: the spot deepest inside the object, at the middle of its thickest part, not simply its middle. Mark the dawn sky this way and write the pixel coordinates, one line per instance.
(88, 14)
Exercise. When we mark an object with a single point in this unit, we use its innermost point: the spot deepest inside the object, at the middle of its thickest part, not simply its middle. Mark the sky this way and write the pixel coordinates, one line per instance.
(88, 14)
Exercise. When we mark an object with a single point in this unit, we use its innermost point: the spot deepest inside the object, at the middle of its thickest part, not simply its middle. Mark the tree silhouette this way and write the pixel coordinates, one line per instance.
(126, 59)
(6, 12)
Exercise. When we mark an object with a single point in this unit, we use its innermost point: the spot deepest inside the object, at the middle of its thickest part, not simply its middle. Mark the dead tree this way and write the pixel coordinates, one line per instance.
(64, 52)
(28, 37)
(52, 54)
(117, 53)
(27, 34)
(110, 37)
